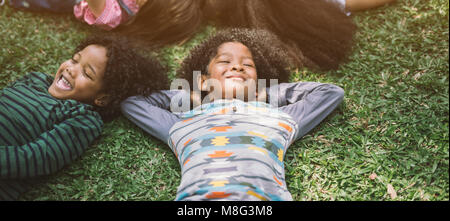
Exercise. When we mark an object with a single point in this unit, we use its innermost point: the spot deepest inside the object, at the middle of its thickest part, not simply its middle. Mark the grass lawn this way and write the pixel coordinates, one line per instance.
(389, 140)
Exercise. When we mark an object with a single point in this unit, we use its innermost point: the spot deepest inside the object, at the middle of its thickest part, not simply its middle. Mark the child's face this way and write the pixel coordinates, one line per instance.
(234, 68)
(81, 78)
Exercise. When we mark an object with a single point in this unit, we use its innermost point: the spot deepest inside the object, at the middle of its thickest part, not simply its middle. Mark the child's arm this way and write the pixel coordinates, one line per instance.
(152, 113)
(358, 5)
(52, 150)
(96, 6)
(29, 78)
(105, 14)
(308, 102)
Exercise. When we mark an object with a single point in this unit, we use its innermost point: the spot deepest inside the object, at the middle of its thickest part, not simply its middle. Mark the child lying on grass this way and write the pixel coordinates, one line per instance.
(48, 122)
(232, 146)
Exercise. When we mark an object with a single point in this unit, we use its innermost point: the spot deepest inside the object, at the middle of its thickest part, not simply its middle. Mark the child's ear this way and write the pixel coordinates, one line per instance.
(102, 100)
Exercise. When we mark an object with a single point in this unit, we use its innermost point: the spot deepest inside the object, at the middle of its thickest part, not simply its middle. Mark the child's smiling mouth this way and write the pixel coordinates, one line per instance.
(237, 77)
(63, 83)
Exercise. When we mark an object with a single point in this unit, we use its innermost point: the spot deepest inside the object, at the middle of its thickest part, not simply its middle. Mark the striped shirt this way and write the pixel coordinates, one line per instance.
(40, 134)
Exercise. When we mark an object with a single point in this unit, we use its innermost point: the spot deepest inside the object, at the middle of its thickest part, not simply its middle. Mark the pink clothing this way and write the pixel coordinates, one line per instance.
(112, 16)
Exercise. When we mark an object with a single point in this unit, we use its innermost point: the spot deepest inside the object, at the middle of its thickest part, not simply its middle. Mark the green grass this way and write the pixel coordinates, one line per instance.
(391, 130)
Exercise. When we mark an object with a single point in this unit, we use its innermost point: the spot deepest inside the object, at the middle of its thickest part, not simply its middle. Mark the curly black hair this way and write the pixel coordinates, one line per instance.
(316, 28)
(165, 22)
(127, 72)
(271, 58)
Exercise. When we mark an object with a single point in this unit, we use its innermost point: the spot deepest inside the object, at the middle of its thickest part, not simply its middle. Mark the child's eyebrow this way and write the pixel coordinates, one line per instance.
(78, 53)
(223, 54)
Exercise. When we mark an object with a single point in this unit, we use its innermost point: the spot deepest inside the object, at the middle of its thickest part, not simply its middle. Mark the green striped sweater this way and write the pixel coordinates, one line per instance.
(39, 134)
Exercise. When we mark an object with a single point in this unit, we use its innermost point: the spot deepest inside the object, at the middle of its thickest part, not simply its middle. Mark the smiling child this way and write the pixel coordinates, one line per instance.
(231, 148)
(48, 122)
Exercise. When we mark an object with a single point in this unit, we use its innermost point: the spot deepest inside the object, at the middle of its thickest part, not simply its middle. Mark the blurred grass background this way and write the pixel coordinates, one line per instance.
(389, 140)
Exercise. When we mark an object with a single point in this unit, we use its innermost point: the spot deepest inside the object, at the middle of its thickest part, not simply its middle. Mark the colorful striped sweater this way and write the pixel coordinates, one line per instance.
(40, 134)
(230, 149)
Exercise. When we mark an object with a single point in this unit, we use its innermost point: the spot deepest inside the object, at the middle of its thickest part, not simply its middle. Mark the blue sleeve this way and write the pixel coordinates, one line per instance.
(152, 113)
(308, 103)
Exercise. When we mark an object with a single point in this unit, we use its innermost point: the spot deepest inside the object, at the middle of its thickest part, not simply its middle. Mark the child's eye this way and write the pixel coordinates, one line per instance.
(224, 62)
(249, 65)
(86, 74)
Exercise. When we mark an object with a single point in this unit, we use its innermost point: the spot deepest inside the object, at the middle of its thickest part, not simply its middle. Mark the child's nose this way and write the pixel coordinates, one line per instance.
(237, 67)
(71, 70)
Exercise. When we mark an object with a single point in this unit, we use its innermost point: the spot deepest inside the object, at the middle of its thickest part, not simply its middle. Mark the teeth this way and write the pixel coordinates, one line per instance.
(66, 82)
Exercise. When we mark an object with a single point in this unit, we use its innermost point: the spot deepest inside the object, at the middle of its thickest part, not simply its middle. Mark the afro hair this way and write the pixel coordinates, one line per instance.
(271, 58)
(127, 73)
